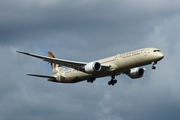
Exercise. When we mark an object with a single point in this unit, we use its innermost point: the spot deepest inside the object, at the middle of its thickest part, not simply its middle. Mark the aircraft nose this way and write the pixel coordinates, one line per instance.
(161, 55)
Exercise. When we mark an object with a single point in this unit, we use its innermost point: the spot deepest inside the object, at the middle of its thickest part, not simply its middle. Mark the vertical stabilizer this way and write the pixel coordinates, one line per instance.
(56, 68)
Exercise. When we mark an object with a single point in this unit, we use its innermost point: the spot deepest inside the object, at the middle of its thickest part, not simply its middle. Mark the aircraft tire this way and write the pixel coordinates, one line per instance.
(115, 81)
(109, 83)
(112, 82)
(153, 67)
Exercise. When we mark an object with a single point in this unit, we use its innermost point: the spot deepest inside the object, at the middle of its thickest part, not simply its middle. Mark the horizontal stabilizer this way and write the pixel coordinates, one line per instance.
(43, 76)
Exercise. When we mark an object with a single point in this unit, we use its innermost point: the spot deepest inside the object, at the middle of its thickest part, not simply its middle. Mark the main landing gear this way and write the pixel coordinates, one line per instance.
(113, 81)
(153, 65)
(91, 79)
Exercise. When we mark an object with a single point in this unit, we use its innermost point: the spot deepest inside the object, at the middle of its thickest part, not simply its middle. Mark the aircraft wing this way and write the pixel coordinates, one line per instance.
(72, 64)
(43, 76)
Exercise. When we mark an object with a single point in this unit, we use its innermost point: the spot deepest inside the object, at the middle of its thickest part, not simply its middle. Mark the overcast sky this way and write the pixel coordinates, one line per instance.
(86, 30)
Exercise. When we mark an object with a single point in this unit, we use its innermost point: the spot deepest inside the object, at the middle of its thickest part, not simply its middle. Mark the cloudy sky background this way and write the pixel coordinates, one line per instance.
(86, 30)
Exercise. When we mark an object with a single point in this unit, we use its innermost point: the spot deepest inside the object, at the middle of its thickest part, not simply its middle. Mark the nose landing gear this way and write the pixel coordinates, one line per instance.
(153, 65)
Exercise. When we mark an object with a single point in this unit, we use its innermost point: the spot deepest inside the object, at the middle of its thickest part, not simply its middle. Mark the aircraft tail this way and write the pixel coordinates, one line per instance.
(56, 68)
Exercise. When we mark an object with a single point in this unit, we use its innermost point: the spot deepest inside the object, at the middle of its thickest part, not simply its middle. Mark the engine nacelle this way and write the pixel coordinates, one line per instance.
(136, 73)
(92, 67)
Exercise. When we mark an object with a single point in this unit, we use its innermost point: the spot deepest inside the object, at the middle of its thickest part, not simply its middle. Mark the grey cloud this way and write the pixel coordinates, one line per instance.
(84, 31)
(90, 21)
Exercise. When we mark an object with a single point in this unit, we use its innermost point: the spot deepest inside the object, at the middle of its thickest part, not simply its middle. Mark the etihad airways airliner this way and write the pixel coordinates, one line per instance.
(127, 63)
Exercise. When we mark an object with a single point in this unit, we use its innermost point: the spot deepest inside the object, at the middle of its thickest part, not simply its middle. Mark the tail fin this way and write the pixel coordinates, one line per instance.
(56, 68)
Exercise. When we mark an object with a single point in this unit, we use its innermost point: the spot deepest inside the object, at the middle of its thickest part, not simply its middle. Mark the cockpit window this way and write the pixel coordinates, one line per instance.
(156, 51)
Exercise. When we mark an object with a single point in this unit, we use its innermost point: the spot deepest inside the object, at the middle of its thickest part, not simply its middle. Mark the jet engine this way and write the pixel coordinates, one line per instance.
(136, 73)
(92, 67)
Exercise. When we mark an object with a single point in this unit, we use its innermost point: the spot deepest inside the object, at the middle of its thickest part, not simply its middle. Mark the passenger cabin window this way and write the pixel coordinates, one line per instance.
(156, 51)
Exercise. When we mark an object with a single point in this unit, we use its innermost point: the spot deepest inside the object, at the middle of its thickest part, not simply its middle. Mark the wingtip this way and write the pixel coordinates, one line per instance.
(21, 52)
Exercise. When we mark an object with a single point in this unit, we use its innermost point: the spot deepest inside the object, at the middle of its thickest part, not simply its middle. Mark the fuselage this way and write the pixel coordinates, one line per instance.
(118, 64)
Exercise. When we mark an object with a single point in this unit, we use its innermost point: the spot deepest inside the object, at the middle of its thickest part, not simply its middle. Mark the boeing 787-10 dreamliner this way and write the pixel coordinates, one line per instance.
(128, 63)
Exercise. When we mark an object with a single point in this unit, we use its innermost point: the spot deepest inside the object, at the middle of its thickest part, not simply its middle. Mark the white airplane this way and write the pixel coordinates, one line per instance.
(127, 63)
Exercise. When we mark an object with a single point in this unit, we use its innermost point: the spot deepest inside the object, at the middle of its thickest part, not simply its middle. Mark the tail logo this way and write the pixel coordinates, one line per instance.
(57, 69)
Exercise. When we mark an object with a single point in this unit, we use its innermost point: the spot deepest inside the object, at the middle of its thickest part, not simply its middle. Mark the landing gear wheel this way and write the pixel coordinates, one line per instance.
(115, 81)
(153, 67)
(109, 83)
(91, 79)
(112, 81)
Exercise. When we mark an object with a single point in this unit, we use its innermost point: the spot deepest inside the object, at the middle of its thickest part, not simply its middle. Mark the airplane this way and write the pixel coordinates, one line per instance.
(127, 63)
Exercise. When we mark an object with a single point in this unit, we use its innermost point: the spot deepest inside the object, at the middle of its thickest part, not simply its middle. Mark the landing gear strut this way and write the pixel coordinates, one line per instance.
(112, 81)
(153, 65)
